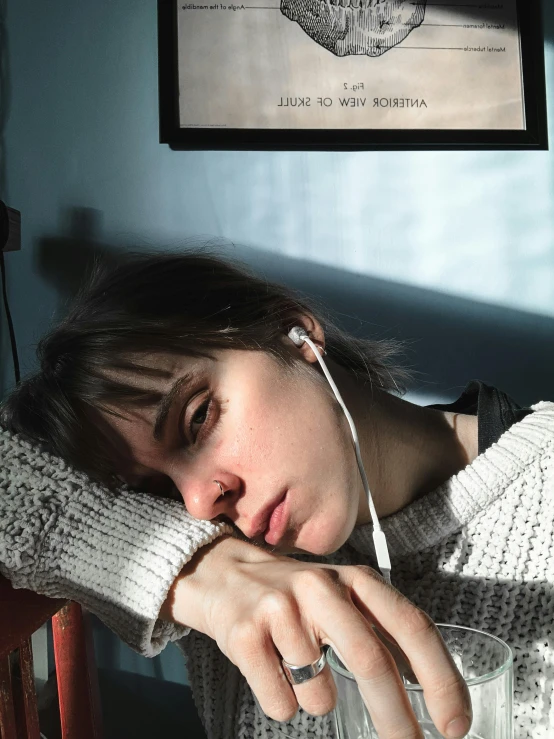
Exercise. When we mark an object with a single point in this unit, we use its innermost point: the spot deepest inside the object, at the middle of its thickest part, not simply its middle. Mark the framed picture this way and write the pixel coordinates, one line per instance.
(351, 74)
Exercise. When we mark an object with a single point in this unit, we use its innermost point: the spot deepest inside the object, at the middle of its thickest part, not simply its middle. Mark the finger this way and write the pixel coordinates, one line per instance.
(401, 660)
(300, 646)
(354, 639)
(402, 663)
(255, 655)
(375, 671)
(446, 694)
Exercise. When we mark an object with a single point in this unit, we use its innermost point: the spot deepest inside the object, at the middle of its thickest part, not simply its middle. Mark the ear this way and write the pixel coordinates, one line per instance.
(314, 330)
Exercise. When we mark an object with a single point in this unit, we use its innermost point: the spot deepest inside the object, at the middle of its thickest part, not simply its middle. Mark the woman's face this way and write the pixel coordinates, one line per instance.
(272, 435)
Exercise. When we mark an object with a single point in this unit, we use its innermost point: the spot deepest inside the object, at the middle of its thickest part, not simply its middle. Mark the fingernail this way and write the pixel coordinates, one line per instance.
(458, 728)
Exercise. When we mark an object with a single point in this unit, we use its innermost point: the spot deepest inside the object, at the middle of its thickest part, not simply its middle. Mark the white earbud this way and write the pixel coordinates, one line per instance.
(299, 336)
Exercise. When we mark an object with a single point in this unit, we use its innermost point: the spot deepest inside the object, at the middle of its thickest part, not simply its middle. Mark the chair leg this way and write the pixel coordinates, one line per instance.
(76, 675)
(29, 697)
(7, 713)
(23, 692)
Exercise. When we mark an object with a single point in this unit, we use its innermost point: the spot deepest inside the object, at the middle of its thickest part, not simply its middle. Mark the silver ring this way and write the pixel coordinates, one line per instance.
(298, 675)
(220, 486)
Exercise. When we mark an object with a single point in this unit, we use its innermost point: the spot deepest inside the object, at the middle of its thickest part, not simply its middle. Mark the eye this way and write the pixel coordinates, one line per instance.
(199, 418)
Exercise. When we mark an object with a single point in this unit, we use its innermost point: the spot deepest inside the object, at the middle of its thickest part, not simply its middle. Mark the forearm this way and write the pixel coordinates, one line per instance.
(116, 553)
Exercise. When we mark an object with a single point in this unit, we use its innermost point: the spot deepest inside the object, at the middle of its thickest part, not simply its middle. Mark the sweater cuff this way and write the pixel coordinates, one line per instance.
(116, 553)
(120, 559)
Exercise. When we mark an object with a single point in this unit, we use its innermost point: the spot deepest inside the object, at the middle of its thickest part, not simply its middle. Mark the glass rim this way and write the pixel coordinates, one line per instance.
(504, 667)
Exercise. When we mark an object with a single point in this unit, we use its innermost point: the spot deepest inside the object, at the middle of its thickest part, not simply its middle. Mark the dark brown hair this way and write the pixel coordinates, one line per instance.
(178, 303)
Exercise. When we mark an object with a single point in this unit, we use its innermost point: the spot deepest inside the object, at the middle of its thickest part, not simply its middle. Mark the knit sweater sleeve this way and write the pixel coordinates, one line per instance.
(116, 553)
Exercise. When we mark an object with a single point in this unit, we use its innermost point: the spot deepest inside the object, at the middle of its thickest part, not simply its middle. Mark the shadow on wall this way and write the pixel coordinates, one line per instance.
(548, 20)
(5, 99)
(64, 261)
(5, 92)
(451, 340)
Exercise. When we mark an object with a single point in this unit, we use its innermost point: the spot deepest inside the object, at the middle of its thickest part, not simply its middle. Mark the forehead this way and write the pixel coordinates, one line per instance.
(156, 372)
(142, 385)
(139, 384)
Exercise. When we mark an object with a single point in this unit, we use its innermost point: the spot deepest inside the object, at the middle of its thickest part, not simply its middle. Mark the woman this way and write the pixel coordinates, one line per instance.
(176, 375)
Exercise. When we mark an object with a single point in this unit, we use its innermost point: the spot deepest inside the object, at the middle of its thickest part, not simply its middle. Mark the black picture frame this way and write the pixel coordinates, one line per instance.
(534, 137)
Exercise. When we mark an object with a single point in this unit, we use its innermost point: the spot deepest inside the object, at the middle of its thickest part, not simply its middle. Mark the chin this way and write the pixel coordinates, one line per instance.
(320, 535)
(323, 542)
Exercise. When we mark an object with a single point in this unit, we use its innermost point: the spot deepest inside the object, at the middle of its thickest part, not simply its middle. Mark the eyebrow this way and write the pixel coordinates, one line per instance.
(167, 401)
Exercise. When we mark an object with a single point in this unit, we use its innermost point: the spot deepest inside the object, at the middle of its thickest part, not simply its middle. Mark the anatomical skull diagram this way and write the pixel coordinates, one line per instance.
(347, 27)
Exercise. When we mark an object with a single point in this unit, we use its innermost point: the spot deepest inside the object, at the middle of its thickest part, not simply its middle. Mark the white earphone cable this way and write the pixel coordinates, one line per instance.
(298, 336)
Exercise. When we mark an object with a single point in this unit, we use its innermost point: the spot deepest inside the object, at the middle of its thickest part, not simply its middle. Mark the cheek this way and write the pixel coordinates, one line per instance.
(249, 439)
(249, 448)
(265, 427)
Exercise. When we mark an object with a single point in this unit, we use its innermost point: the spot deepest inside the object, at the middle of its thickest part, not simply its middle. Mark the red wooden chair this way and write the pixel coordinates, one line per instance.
(21, 614)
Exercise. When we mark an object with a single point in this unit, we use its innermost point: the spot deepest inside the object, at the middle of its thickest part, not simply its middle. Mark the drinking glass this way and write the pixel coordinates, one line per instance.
(486, 664)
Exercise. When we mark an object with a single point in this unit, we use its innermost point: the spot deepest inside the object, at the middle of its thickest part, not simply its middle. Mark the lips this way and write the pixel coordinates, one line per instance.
(261, 520)
(277, 524)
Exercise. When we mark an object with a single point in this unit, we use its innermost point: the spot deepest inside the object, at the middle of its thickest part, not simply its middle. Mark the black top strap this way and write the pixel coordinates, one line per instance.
(495, 410)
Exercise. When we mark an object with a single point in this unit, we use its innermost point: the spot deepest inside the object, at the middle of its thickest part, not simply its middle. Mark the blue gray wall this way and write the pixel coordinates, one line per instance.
(452, 250)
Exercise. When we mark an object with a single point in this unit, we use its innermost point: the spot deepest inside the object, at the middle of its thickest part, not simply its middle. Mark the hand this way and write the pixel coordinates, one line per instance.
(260, 608)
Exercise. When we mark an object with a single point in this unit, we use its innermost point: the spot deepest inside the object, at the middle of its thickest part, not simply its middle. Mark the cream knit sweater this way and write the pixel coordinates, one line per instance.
(478, 551)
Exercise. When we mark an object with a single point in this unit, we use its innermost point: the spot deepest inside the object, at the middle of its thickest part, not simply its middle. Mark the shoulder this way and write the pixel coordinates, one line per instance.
(536, 430)
(519, 465)
(544, 407)
(524, 445)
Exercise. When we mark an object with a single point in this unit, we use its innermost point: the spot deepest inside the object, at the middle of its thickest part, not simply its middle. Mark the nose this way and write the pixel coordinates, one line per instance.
(210, 496)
